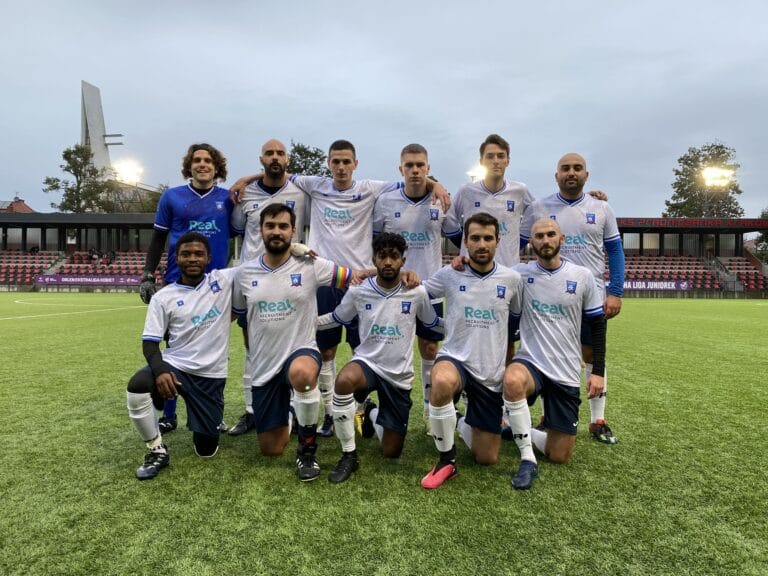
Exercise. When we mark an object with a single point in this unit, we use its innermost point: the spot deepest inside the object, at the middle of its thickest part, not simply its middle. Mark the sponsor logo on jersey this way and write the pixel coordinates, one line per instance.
(275, 306)
(255, 205)
(462, 288)
(530, 279)
(570, 286)
(397, 214)
(219, 206)
(433, 213)
(296, 279)
(501, 291)
(203, 226)
(577, 240)
(510, 205)
(254, 283)
(553, 216)
(384, 330)
(590, 218)
(210, 315)
(331, 214)
(550, 309)
(215, 286)
(357, 197)
(179, 302)
(368, 307)
(416, 236)
(480, 313)
(405, 307)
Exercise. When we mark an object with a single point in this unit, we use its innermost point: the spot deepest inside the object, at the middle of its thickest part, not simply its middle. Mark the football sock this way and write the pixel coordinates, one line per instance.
(442, 422)
(426, 381)
(378, 428)
(247, 390)
(596, 405)
(539, 438)
(519, 417)
(143, 415)
(169, 408)
(344, 420)
(465, 431)
(306, 405)
(325, 382)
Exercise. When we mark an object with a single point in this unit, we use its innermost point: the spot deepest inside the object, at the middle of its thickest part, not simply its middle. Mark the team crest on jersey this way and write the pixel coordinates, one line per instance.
(290, 203)
(219, 205)
(553, 216)
(295, 279)
(368, 306)
(357, 197)
(397, 214)
(179, 302)
(433, 213)
(462, 288)
(501, 291)
(405, 307)
(215, 286)
(570, 286)
(590, 218)
(255, 283)
(255, 206)
(510, 205)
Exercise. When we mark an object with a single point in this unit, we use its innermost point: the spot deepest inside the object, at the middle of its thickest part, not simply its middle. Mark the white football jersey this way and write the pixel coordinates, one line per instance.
(245, 217)
(477, 312)
(507, 206)
(387, 326)
(341, 221)
(587, 224)
(419, 222)
(197, 319)
(550, 324)
(281, 308)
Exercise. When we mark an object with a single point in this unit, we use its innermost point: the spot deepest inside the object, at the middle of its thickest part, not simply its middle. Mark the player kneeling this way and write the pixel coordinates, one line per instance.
(383, 362)
(194, 313)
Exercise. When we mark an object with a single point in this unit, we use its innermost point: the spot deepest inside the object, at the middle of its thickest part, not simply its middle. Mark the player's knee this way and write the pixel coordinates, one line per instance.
(143, 382)
(393, 448)
(514, 384)
(559, 455)
(485, 459)
(205, 446)
(345, 384)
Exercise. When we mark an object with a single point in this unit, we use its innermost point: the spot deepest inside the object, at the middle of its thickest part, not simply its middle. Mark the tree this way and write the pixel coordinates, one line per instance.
(761, 243)
(91, 189)
(307, 160)
(692, 197)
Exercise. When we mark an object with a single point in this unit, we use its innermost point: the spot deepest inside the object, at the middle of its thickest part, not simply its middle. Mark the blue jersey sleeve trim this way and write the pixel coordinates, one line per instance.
(151, 338)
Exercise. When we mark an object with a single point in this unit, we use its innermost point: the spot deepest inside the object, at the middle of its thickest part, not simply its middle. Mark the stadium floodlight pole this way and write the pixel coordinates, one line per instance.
(127, 171)
(715, 178)
(477, 172)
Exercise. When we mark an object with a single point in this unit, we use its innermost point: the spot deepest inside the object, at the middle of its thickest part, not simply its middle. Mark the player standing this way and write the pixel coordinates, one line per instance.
(591, 232)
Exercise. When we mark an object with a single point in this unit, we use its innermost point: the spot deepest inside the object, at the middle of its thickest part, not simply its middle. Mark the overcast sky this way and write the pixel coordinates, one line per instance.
(630, 85)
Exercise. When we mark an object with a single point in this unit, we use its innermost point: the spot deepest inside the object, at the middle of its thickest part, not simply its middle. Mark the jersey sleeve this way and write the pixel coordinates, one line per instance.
(379, 187)
(164, 214)
(346, 311)
(452, 223)
(238, 300)
(424, 310)
(435, 284)
(527, 224)
(331, 274)
(237, 221)
(516, 299)
(378, 215)
(156, 322)
(306, 183)
(593, 301)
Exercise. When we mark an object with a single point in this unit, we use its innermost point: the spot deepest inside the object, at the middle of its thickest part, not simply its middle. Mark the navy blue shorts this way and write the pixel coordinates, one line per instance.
(327, 300)
(204, 399)
(272, 401)
(394, 403)
(561, 403)
(428, 333)
(484, 406)
(513, 330)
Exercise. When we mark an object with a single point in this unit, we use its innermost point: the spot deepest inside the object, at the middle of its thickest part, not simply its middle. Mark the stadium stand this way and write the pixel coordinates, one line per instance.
(672, 269)
(113, 263)
(748, 274)
(17, 267)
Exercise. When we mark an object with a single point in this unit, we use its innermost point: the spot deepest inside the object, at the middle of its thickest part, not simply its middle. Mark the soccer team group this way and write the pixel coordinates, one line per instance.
(373, 266)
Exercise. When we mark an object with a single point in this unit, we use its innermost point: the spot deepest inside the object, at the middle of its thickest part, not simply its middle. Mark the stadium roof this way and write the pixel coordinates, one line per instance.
(143, 220)
(680, 225)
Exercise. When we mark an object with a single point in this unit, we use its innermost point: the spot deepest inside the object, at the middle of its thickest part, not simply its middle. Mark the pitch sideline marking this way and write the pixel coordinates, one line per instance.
(69, 313)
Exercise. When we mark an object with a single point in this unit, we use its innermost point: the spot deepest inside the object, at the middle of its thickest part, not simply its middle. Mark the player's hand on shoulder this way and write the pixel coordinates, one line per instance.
(599, 194)
(300, 250)
(237, 189)
(409, 278)
(458, 262)
(147, 288)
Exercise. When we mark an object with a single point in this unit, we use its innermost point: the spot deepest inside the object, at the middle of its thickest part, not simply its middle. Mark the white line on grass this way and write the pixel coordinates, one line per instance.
(70, 313)
(55, 303)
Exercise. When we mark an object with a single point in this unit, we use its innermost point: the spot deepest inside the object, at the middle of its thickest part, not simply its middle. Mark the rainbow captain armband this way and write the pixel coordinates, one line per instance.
(341, 276)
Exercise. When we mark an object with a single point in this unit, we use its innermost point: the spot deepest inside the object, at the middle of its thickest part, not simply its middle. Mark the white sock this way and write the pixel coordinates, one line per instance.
(247, 390)
(306, 405)
(344, 420)
(378, 428)
(596, 405)
(325, 382)
(465, 431)
(442, 422)
(143, 415)
(426, 382)
(519, 418)
(539, 438)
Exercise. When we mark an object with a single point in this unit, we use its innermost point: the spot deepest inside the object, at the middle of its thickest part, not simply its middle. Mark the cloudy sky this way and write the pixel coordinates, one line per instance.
(630, 85)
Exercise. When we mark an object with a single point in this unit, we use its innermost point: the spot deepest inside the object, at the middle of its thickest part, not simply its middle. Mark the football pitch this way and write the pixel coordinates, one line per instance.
(685, 491)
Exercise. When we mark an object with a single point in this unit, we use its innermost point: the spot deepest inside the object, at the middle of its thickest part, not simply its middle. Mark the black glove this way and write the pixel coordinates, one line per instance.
(147, 288)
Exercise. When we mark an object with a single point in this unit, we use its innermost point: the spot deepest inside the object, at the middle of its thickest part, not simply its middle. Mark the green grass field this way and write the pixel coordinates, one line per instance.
(684, 492)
